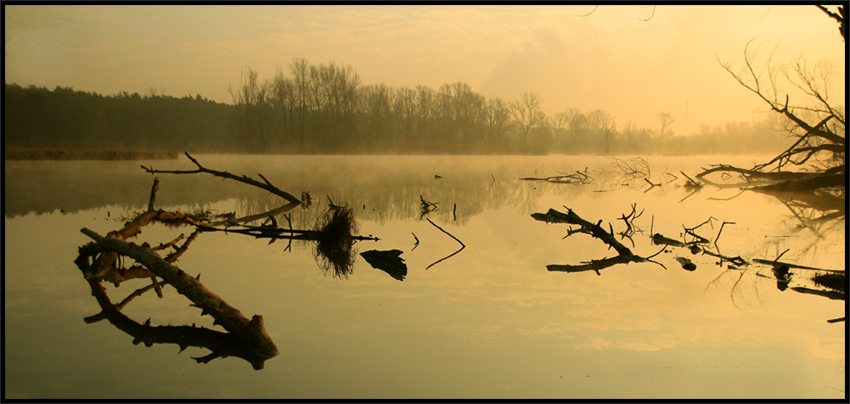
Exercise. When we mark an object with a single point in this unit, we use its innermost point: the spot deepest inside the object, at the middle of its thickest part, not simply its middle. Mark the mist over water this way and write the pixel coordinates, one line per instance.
(490, 321)
(438, 202)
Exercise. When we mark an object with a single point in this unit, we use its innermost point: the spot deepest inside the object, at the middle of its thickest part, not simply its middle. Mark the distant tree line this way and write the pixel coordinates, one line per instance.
(325, 109)
(65, 118)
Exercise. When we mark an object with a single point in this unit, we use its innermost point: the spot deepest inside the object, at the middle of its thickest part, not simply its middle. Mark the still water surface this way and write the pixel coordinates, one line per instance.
(489, 322)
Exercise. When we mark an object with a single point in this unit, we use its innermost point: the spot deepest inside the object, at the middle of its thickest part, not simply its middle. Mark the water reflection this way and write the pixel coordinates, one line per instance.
(102, 260)
(490, 305)
(832, 283)
(820, 212)
(221, 344)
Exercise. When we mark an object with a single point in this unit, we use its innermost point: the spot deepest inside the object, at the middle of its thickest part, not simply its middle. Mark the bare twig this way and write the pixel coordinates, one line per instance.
(650, 17)
(721, 231)
(591, 11)
(462, 246)
(417, 241)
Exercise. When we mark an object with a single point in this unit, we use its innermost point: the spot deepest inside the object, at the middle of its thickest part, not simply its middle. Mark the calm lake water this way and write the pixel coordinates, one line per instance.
(488, 322)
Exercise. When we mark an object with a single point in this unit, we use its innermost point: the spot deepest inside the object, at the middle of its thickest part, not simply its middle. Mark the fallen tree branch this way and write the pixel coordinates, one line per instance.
(721, 231)
(624, 255)
(221, 344)
(579, 178)
(279, 233)
(258, 216)
(736, 261)
(553, 216)
(251, 332)
(775, 263)
(106, 261)
(691, 182)
(266, 185)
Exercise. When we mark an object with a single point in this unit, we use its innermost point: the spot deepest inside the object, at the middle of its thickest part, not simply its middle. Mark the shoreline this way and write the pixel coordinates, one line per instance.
(44, 153)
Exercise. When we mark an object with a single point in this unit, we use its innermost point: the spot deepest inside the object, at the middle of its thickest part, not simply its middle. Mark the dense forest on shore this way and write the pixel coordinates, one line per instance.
(36, 117)
(325, 109)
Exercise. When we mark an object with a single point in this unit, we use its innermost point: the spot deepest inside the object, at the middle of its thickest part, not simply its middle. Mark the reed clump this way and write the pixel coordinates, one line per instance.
(335, 242)
(833, 281)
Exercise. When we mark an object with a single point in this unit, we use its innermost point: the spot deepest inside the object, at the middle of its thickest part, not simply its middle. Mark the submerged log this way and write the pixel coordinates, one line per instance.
(687, 264)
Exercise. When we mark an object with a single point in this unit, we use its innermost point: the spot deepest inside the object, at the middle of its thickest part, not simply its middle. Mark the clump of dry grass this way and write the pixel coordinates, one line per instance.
(833, 281)
(335, 244)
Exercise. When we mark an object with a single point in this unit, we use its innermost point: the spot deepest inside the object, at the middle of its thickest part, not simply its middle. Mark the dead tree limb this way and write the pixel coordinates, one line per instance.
(736, 261)
(776, 263)
(221, 344)
(820, 148)
(579, 178)
(697, 238)
(691, 182)
(266, 185)
(553, 216)
(251, 332)
(277, 233)
(107, 260)
(258, 216)
(624, 254)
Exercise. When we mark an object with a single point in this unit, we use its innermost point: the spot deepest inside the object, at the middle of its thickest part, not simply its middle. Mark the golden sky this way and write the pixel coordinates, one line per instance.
(611, 59)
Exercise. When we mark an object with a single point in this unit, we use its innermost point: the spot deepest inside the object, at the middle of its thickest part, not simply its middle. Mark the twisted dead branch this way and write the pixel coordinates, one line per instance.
(251, 332)
(814, 164)
(624, 254)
